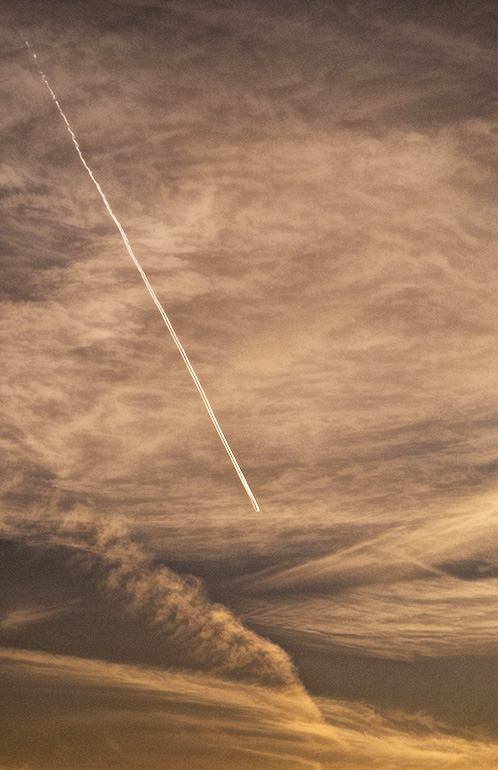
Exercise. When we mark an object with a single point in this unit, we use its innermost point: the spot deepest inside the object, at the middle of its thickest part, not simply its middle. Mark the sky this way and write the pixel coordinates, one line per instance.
(311, 190)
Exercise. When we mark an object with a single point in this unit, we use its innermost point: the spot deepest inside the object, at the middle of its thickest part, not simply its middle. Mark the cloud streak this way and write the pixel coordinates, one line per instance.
(403, 620)
(201, 719)
(425, 588)
(23, 616)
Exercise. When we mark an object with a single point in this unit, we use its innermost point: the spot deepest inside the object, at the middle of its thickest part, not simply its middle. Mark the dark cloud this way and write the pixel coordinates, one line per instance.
(117, 594)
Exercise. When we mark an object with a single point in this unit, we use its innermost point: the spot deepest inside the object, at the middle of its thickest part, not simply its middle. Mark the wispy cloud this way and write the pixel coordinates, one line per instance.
(336, 209)
(311, 188)
(202, 720)
(427, 587)
(23, 616)
(402, 620)
(209, 634)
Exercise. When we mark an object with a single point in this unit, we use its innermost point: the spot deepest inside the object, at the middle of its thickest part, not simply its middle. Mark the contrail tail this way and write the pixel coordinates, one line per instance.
(149, 289)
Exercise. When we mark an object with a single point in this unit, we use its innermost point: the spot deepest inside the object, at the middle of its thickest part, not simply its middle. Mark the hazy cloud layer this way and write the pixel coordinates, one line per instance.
(312, 191)
(122, 712)
(428, 588)
(331, 273)
(401, 620)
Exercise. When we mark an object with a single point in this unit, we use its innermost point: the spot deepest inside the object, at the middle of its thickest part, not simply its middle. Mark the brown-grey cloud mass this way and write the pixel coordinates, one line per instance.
(208, 634)
(311, 189)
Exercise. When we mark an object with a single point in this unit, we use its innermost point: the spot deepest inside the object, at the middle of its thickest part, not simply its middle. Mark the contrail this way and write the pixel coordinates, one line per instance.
(149, 289)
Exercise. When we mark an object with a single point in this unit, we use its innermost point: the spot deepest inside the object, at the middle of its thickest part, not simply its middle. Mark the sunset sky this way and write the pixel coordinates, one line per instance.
(311, 190)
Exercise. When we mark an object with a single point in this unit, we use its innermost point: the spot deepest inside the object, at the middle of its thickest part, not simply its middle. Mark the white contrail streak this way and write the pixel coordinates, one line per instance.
(150, 290)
